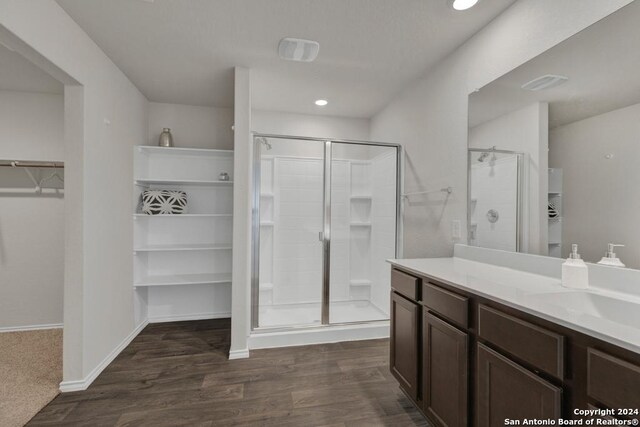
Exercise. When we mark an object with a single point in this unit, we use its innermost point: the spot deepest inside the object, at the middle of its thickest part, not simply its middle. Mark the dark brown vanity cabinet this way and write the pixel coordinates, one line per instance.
(445, 369)
(405, 330)
(468, 361)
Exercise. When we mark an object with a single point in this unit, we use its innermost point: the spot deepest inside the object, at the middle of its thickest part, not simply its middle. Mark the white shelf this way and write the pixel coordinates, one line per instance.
(181, 247)
(184, 216)
(176, 151)
(185, 279)
(266, 224)
(360, 224)
(148, 182)
(360, 282)
(360, 197)
(266, 195)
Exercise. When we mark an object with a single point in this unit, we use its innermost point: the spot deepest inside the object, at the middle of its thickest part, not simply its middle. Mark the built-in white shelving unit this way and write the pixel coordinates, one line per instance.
(555, 224)
(189, 250)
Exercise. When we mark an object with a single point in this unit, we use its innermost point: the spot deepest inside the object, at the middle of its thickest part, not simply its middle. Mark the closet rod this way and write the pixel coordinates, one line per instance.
(31, 164)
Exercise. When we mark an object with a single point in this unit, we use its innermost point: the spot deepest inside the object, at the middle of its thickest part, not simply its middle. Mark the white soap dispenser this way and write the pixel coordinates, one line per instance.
(575, 273)
(610, 257)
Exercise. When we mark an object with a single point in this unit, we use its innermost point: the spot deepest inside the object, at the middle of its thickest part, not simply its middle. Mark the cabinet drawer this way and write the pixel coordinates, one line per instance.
(611, 381)
(448, 304)
(405, 284)
(535, 345)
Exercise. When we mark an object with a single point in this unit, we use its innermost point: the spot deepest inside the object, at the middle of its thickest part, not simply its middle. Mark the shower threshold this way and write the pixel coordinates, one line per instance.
(285, 315)
(299, 324)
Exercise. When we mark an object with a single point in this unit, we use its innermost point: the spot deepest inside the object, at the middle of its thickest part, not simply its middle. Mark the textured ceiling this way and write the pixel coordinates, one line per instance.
(183, 51)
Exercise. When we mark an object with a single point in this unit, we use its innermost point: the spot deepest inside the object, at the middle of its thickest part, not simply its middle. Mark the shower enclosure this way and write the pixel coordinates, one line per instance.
(495, 208)
(325, 219)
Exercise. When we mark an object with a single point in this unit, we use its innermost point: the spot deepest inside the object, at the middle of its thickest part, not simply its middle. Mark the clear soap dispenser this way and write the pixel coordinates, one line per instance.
(610, 257)
(575, 273)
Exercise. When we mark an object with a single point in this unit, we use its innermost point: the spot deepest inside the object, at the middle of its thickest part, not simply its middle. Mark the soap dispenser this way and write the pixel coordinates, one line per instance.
(575, 273)
(610, 257)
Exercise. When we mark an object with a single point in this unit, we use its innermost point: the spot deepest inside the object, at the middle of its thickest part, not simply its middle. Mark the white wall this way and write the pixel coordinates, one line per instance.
(278, 123)
(242, 160)
(98, 192)
(600, 202)
(31, 225)
(192, 126)
(526, 131)
(430, 117)
(32, 126)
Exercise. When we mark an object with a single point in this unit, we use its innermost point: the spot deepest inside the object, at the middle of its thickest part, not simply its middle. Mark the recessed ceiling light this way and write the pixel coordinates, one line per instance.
(321, 102)
(463, 4)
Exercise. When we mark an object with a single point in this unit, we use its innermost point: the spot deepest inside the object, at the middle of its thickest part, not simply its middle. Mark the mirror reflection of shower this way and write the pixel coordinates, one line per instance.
(494, 211)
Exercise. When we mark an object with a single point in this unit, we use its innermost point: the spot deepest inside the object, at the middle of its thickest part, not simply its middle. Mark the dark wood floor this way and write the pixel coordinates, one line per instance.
(176, 374)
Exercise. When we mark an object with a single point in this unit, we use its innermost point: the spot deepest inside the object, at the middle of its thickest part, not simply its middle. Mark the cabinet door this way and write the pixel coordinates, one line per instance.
(509, 391)
(445, 371)
(404, 343)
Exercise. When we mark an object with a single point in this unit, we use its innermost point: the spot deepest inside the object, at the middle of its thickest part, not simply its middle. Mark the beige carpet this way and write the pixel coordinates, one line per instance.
(30, 373)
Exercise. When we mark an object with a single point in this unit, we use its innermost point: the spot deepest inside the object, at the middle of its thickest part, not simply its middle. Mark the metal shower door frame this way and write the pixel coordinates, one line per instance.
(326, 233)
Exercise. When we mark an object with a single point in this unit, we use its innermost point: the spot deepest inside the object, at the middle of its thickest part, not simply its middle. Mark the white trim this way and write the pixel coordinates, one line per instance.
(308, 336)
(79, 385)
(239, 354)
(30, 327)
(185, 317)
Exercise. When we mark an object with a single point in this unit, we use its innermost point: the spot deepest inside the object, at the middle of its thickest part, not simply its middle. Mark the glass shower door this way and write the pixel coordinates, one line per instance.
(363, 209)
(291, 192)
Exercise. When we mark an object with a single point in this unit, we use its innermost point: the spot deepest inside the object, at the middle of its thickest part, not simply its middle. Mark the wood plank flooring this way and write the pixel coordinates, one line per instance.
(177, 374)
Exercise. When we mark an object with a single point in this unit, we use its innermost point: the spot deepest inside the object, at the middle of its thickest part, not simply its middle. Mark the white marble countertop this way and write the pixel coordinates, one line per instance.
(519, 289)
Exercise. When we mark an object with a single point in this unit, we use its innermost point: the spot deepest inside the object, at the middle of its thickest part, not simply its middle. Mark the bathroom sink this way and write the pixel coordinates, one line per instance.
(592, 304)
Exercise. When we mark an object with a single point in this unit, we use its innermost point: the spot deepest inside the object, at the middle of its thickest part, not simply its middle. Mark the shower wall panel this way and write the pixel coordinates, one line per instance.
(340, 196)
(383, 227)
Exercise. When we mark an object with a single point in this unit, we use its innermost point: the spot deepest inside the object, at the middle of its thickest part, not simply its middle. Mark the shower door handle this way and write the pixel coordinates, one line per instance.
(321, 236)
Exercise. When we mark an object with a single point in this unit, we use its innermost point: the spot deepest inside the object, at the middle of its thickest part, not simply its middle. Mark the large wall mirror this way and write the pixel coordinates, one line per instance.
(554, 148)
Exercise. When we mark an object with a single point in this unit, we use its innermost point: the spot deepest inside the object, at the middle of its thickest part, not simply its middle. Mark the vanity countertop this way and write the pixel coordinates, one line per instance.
(527, 292)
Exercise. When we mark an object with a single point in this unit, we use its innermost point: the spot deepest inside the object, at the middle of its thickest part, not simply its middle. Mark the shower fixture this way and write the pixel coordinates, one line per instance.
(264, 142)
(483, 156)
(486, 153)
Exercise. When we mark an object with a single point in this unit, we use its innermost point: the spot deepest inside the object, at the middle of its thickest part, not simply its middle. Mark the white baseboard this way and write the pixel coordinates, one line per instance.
(79, 385)
(184, 317)
(30, 327)
(239, 354)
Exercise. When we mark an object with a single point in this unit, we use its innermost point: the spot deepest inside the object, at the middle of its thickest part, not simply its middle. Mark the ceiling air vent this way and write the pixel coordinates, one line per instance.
(298, 49)
(544, 82)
